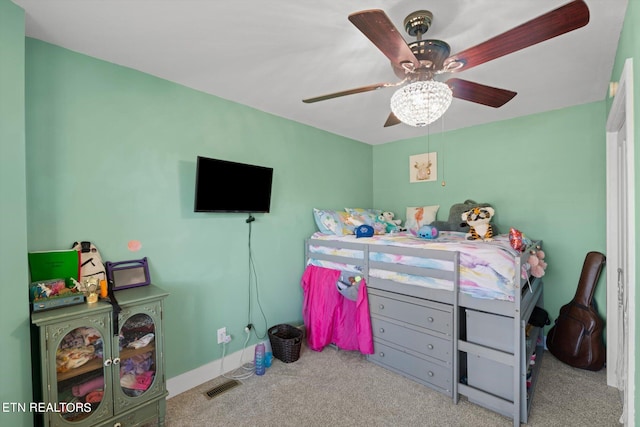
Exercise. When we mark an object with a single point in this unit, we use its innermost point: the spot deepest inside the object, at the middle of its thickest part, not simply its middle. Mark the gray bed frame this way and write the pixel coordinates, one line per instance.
(492, 345)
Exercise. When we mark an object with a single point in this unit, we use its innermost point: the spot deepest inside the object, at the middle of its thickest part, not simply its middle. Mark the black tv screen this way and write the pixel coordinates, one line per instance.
(224, 186)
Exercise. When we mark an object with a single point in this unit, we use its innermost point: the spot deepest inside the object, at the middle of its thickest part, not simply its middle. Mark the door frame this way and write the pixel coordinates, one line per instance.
(621, 114)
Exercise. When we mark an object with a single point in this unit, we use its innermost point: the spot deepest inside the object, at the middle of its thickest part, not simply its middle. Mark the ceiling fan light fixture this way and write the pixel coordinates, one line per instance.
(421, 103)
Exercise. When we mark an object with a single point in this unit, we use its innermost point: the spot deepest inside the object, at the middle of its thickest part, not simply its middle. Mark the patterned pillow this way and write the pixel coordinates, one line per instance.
(332, 222)
(419, 216)
(366, 216)
(347, 227)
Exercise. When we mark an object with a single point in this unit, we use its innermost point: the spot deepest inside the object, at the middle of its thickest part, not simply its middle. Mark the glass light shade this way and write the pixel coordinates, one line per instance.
(420, 103)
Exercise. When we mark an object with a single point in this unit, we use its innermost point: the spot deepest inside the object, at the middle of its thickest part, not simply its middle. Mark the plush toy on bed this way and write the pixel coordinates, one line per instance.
(479, 223)
(389, 217)
(391, 225)
(453, 221)
(536, 263)
(428, 232)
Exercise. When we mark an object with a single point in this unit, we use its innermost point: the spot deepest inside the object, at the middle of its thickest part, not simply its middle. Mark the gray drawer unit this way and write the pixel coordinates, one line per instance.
(412, 339)
(490, 330)
(434, 316)
(417, 368)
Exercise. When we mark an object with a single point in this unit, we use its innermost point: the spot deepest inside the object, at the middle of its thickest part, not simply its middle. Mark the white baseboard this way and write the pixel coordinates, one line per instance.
(204, 373)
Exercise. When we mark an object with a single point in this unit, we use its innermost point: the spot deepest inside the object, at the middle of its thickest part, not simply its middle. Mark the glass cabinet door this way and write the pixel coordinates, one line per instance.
(138, 359)
(80, 372)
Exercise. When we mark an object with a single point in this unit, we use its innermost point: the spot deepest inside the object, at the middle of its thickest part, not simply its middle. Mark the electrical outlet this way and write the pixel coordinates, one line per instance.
(222, 335)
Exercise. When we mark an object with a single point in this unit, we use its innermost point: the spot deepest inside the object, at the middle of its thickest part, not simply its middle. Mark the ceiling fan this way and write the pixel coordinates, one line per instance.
(419, 62)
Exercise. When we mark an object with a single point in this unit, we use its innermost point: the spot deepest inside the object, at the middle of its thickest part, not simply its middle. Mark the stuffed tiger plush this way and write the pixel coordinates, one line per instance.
(479, 227)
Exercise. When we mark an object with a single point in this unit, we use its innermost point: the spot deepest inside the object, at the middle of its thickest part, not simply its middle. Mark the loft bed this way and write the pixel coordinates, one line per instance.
(449, 313)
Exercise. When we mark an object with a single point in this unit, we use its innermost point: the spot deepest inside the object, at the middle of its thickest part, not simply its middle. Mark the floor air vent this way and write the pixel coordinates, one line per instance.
(221, 388)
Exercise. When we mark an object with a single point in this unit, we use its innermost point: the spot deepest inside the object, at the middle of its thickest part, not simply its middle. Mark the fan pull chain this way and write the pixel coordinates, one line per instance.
(429, 146)
(444, 182)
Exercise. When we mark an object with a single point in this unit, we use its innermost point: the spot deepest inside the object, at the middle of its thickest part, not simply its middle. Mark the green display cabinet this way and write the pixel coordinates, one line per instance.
(90, 369)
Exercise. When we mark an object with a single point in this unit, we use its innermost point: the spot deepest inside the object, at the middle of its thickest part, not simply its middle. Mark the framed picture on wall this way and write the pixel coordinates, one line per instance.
(423, 167)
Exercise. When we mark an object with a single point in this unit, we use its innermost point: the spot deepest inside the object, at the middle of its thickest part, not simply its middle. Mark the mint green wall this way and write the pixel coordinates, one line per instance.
(15, 369)
(543, 173)
(629, 47)
(138, 137)
(111, 158)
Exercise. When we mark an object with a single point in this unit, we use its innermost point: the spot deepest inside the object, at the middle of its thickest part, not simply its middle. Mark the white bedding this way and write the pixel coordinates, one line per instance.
(487, 269)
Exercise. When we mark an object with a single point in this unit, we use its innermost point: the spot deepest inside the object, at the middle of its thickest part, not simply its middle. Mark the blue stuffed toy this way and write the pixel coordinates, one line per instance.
(429, 232)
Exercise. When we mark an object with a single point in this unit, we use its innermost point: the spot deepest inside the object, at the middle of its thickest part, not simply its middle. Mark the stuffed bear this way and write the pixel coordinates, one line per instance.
(536, 263)
(479, 223)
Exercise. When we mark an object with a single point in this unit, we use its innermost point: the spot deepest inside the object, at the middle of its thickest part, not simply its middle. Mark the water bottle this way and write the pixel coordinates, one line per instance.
(259, 359)
(268, 355)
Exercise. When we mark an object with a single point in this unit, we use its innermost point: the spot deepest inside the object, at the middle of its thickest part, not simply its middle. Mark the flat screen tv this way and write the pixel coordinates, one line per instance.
(224, 186)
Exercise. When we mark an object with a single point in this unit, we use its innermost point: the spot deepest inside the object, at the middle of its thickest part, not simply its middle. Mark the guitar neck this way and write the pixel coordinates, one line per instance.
(593, 264)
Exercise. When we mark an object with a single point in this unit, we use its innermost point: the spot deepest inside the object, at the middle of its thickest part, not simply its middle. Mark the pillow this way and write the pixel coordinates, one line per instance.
(419, 216)
(347, 227)
(367, 216)
(332, 222)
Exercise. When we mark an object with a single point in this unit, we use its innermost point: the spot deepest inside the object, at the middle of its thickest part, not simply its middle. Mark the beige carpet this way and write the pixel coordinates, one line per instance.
(341, 388)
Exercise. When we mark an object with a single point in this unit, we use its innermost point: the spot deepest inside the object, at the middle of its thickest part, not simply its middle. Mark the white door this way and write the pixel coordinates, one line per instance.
(621, 245)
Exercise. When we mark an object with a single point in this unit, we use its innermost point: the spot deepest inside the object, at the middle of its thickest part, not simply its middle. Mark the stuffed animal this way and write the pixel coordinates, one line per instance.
(453, 221)
(536, 263)
(391, 224)
(389, 217)
(428, 232)
(479, 223)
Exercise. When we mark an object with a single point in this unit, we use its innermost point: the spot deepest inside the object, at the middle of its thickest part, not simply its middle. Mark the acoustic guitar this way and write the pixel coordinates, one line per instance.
(576, 338)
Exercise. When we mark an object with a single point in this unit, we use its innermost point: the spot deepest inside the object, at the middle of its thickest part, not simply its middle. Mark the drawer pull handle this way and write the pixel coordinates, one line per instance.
(430, 373)
(381, 306)
(430, 346)
(381, 354)
(116, 361)
(430, 319)
(107, 362)
(382, 330)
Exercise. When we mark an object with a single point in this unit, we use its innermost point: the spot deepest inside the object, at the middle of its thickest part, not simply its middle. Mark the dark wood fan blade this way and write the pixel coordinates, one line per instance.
(482, 94)
(348, 92)
(376, 25)
(392, 120)
(562, 20)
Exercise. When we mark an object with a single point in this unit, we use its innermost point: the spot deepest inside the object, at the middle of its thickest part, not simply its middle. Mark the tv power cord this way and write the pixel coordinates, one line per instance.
(245, 370)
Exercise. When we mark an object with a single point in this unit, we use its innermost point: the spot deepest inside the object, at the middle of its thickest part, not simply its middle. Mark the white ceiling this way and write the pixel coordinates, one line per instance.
(272, 54)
